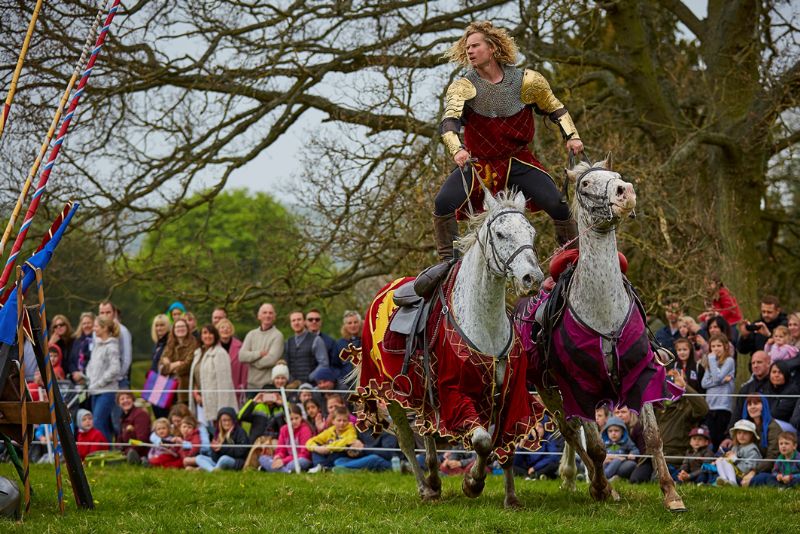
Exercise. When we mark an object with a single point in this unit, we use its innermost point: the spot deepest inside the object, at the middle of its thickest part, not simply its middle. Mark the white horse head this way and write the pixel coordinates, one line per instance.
(506, 238)
(602, 197)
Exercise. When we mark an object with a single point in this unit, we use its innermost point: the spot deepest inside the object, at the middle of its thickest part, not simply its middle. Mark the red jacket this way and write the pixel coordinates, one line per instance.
(195, 441)
(727, 306)
(134, 425)
(90, 441)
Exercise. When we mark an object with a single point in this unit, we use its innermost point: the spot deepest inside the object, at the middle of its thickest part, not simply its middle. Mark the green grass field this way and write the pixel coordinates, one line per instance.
(146, 500)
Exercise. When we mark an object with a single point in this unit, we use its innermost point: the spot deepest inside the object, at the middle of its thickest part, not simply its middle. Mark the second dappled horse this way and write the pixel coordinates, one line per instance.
(459, 373)
(588, 340)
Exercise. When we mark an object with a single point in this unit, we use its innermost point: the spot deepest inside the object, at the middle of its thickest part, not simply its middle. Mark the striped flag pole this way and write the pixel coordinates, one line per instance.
(15, 78)
(87, 48)
(23, 394)
(37, 195)
(51, 397)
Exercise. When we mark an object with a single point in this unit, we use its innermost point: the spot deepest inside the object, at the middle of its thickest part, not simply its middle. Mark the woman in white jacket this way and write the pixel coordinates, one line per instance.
(210, 378)
(102, 373)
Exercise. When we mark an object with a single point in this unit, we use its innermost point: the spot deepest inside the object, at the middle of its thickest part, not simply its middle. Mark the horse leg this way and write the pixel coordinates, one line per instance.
(475, 477)
(405, 438)
(510, 500)
(432, 462)
(599, 489)
(567, 469)
(652, 438)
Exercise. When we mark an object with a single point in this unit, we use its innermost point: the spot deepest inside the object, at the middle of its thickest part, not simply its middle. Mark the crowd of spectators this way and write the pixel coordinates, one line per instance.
(228, 412)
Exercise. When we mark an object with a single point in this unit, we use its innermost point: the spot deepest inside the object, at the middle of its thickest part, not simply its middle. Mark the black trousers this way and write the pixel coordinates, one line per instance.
(535, 184)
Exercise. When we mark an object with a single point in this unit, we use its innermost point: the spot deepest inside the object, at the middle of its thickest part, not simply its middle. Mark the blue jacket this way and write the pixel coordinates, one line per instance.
(622, 447)
(544, 456)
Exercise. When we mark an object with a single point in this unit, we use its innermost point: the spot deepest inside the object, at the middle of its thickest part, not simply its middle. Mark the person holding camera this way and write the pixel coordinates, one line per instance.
(753, 336)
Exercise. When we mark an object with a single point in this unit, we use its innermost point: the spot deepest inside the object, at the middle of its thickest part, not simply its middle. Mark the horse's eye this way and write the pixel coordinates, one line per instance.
(501, 235)
(585, 185)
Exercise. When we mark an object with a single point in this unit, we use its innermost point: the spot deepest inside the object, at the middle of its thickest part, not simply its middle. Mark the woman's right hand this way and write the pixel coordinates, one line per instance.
(461, 158)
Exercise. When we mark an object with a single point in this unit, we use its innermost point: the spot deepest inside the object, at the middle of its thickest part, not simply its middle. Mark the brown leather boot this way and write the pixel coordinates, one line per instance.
(566, 231)
(445, 231)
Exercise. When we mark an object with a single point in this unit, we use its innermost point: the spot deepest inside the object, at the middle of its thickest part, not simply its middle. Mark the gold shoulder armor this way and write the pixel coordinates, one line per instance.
(536, 90)
(459, 92)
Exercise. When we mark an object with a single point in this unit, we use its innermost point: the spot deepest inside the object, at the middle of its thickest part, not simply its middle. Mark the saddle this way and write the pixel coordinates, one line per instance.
(410, 320)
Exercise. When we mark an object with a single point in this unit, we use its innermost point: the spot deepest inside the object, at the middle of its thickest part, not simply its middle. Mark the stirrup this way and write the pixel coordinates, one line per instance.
(428, 280)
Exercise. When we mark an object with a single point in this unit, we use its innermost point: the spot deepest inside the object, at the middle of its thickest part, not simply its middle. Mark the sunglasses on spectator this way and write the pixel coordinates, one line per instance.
(314, 319)
(59, 325)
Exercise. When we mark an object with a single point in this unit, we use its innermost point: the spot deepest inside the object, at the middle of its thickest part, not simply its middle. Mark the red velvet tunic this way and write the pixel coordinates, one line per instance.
(494, 142)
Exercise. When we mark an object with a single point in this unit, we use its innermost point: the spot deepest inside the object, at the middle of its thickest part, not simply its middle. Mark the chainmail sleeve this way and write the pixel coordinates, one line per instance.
(457, 95)
(536, 91)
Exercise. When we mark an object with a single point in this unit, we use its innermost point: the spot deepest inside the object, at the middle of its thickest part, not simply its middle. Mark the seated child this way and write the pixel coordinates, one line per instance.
(88, 438)
(785, 473)
(544, 462)
(621, 450)
(229, 447)
(282, 460)
(314, 416)
(370, 460)
(691, 469)
(190, 441)
(330, 444)
(163, 454)
(455, 463)
(56, 359)
(740, 463)
(265, 414)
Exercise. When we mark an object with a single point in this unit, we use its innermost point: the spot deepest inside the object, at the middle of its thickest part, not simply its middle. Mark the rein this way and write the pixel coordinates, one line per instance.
(505, 264)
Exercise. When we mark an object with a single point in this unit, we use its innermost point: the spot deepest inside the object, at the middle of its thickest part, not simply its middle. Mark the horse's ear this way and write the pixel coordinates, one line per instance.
(607, 163)
(519, 200)
(572, 176)
(489, 201)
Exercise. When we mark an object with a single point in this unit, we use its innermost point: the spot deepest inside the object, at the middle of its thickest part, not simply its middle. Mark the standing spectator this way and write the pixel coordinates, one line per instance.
(176, 311)
(159, 333)
(793, 323)
(102, 373)
(61, 334)
(753, 336)
(111, 312)
(192, 322)
(670, 331)
(229, 446)
(212, 387)
(675, 420)
(783, 392)
(176, 361)
(283, 460)
(778, 346)
(305, 352)
(351, 335)
(232, 346)
(134, 425)
(88, 438)
(81, 352)
(718, 325)
(686, 364)
(261, 350)
(219, 313)
(758, 383)
(718, 382)
(722, 302)
(314, 325)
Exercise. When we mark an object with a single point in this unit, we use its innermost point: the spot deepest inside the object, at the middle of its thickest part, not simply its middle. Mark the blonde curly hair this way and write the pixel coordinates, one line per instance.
(505, 49)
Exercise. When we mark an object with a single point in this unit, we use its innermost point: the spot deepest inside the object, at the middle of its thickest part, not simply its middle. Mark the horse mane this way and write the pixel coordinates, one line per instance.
(505, 199)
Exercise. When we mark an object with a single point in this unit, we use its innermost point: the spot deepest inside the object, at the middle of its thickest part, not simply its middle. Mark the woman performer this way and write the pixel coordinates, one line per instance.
(493, 104)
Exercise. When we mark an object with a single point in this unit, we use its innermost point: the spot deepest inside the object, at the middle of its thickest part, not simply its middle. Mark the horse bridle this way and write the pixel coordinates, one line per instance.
(490, 240)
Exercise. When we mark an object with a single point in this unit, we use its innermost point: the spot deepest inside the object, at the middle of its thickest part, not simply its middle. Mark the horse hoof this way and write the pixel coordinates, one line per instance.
(435, 484)
(676, 506)
(614, 495)
(429, 495)
(568, 485)
(471, 487)
(512, 503)
(606, 493)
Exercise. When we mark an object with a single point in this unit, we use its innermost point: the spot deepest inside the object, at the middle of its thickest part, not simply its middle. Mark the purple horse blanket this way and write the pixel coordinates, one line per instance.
(578, 366)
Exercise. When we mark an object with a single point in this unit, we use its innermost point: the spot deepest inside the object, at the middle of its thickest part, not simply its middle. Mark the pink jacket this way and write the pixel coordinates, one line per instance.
(301, 435)
(783, 352)
(238, 369)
